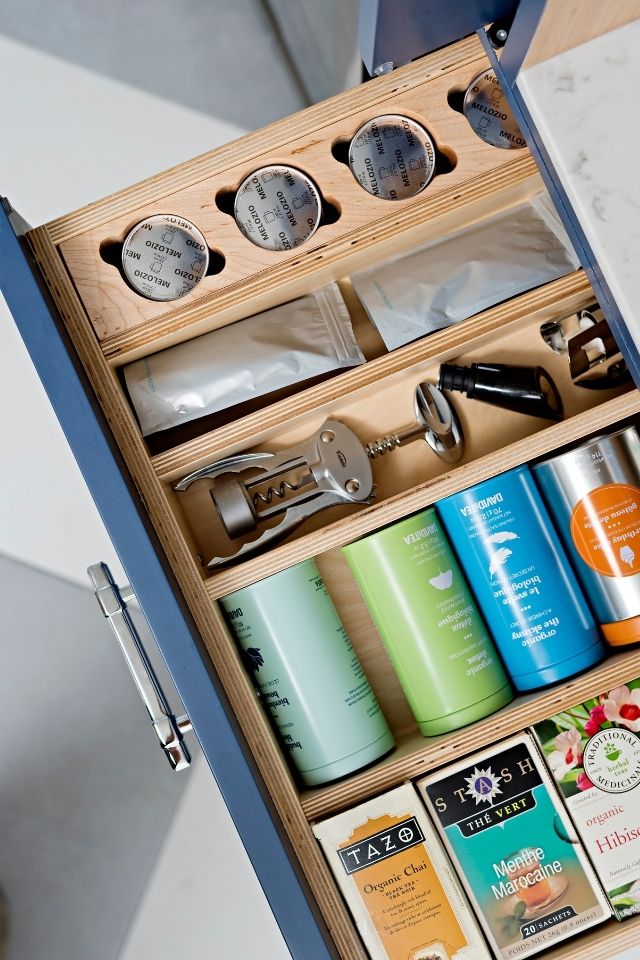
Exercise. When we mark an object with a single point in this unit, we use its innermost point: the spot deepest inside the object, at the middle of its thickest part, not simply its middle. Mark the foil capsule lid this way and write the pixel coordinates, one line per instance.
(392, 157)
(278, 207)
(489, 114)
(164, 257)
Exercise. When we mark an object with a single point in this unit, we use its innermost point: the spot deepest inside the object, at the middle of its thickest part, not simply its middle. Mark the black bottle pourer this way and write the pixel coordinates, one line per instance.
(528, 390)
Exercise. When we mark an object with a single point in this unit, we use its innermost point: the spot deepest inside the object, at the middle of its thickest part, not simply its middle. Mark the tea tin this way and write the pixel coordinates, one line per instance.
(307, 674)
(593, 494)
(522, 579)
(429, 623)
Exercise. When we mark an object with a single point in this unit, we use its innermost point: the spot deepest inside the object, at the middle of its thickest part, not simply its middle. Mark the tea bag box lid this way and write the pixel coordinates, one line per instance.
(336, 829)
(495, 750)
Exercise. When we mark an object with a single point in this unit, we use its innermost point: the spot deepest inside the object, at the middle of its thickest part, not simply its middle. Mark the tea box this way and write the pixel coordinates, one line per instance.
(593, 751)
(513, 846)
(398, 883)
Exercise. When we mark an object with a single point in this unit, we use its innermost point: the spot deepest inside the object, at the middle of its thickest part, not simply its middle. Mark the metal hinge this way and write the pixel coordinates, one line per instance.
(113, 603)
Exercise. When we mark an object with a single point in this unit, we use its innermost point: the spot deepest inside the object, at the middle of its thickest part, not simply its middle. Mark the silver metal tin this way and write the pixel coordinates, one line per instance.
(392, 157)
(487, 110)
(600, 478)
(164, 257)
(278, 207)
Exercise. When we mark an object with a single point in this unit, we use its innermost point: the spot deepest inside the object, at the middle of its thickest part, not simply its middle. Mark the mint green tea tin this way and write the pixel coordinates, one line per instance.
(428, 621)
(307, 674)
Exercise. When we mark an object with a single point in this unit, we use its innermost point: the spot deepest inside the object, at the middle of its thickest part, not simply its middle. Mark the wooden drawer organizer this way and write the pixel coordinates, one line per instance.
(111, 325)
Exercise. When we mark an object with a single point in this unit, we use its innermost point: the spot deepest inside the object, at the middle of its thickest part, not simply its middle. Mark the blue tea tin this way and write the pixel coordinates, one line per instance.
(522, 579)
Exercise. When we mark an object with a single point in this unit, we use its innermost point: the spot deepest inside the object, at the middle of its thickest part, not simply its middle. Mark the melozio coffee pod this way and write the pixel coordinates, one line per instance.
(485, 107)
(164, 257)
(278, 207)
(392, 157)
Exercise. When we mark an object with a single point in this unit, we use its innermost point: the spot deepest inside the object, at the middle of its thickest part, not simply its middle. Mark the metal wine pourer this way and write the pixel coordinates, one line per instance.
(332, 467)
(585, 338)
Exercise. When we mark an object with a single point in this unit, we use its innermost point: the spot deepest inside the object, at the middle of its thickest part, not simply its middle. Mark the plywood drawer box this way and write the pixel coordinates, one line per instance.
(108, 325)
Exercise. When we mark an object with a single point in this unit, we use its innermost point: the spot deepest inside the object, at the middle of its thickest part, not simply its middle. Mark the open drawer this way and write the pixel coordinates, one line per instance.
(106, 325)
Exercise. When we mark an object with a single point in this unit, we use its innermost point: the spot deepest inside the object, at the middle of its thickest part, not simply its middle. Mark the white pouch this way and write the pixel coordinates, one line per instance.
(286, 345)
(472, 269)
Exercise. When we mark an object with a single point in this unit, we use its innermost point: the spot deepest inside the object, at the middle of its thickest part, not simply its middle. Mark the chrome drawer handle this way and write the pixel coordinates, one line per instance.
(113, 603)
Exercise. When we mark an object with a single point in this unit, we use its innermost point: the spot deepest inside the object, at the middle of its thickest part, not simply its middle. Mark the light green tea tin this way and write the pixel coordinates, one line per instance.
(429, 623)
(307, 674)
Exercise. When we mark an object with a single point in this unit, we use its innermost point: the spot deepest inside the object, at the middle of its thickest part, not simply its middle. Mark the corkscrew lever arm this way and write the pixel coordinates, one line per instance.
(329, 468)
(242, 461)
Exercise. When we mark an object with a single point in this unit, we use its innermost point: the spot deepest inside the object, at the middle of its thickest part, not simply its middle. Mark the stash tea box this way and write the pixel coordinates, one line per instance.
(593, 751)
(398, 882)
(512, 842)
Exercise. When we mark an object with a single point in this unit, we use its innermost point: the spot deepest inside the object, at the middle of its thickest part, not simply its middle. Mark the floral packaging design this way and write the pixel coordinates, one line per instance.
(593, 751)
(398, 882)
(513, 845)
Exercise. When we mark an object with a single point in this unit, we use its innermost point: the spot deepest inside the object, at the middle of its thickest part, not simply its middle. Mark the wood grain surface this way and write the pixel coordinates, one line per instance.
(110, 325)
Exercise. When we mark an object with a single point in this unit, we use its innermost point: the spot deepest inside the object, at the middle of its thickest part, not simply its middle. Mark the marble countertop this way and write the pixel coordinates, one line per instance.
(584, 103)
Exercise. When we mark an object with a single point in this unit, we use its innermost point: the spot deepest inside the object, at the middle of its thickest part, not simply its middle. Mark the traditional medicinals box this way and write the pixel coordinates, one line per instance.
(593, 751)
(398, 882)
(514, 848)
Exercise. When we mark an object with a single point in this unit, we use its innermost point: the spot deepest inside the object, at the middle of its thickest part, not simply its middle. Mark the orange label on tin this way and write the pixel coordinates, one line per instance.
(605, 528)
(400, 889)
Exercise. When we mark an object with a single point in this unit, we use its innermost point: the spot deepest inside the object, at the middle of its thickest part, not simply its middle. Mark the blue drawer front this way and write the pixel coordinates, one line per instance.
(106, 476)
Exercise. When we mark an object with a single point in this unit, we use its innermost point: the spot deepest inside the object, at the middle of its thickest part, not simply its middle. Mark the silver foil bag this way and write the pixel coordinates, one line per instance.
(472, 269)
(280, 347)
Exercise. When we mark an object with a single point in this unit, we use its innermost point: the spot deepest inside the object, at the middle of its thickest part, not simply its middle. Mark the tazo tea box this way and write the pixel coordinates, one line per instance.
(398, 882)
(593, 751)
(506, 831)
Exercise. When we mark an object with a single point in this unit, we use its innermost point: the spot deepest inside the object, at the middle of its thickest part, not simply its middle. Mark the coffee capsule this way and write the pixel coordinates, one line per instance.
(164, 257)
(392, 157)
(278, 207)
(489, 114)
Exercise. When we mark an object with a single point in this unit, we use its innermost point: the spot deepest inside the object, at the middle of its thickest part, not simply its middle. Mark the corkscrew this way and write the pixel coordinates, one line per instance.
(331, 467)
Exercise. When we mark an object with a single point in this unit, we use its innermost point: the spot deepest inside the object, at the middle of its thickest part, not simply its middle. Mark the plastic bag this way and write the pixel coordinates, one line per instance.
(472, 269)
(286, 345)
